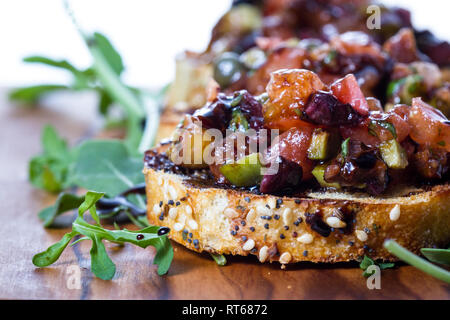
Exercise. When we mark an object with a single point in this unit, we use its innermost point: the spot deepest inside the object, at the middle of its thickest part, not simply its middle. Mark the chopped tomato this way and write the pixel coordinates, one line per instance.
(286, 124)
(429, 126)
(347, 91)
(288, 91)
(293, 145)
(360, 133)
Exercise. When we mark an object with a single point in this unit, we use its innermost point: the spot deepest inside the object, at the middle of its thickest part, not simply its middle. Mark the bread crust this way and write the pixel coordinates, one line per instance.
(228, 221)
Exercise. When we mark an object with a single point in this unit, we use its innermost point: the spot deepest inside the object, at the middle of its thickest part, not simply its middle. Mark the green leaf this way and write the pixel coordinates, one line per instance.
(53, 252)
(111, 55)
(366, 262)
(344, 147)
(101, 264)
(104, 103)
(50, 170)
(106, 165)
(441, 256)
(63, 64)
(219, 259)
(89, 202)
(32, 94)
(64, 203)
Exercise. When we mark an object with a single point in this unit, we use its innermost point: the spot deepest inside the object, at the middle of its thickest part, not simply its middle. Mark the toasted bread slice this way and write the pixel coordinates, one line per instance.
(291, 229)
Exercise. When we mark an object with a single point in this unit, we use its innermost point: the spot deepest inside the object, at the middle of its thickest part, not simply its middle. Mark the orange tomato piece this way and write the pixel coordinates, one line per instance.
(348, 91)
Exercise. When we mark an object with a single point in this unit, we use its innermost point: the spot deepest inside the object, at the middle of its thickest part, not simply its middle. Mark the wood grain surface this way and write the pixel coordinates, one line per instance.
(191, 276)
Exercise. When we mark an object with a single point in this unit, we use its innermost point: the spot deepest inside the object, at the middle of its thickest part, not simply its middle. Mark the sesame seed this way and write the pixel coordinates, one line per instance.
(263, 253)
(272, 203)
(177, 226)
(366, 230)
(266, 226)
(286, 228)
(297, 201)
(160, 204)
(161, 216)
(351, 243)
(170, 202)
(361, 235)
(294, 234)
(177, 203)
(244, 238)
(188, 210)
(195, 242)
(252, 229)
(250, 215)
(305, 238)
(276, 217)
(266, 217)
(189, 240)
(173, 213)
(172, 192)
(287, 215)
(193, 224)
(247, 199)
(249, 245)
(190, 235)
(233, 233)
(243, 223)
(186, 231)
(236, 228)
(267, 206)
(282, 236)
(230, 213)
(298, 221)
(335, 222)
(285, 258)
(395, 213)
(305, 253)
(253, 250)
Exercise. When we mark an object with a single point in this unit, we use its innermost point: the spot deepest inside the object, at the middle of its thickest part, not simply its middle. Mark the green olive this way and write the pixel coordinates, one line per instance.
(227, 69)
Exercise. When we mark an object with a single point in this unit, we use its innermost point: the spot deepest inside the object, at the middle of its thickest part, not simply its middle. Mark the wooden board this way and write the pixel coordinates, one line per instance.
(192, 276)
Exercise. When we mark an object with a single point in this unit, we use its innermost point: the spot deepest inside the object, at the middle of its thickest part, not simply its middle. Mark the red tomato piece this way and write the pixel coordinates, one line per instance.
(293, 145)
(428, 125)
(348, 91)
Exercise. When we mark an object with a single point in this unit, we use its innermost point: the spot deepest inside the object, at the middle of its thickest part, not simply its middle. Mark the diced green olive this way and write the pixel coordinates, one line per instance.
(318, 172)
(238, 121)
(393, 154)
(253, 58)
(322, 146)
(245, 172)
(403, 90)
(227, 69)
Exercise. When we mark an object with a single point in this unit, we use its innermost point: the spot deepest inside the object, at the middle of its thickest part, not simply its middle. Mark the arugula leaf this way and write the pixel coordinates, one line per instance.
(53, 252)
(219, 259)
(50, 171)
(64, 203)
(441, 256)
(32, 94)
(106, 165)
(101, 264)
(367, 262)
(111, 55)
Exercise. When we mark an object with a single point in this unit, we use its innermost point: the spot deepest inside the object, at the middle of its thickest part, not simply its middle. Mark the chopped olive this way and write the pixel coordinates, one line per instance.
(323, 145)
(393, 154)
(318, 173)
(253, 58)
(404, 89)
(238, 121)
(227, 69)
(245, 172)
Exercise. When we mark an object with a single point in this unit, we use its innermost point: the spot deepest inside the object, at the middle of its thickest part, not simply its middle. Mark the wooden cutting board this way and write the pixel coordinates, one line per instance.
(191, 276)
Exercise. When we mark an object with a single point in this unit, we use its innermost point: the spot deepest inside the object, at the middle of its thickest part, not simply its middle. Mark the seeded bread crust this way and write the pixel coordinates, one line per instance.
(227, 221)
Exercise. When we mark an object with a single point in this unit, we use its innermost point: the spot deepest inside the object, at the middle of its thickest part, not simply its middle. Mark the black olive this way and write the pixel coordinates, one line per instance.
(366, 160)
(163, 230)
(227, 69)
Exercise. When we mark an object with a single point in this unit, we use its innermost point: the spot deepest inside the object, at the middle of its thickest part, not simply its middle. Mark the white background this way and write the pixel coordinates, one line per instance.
(148, 34)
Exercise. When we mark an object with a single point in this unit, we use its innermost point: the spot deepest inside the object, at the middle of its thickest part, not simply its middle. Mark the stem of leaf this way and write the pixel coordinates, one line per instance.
(414, 260)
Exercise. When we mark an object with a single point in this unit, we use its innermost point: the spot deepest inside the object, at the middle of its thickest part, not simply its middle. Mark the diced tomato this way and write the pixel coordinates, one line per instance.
(401, 125)
(286, 124)
(293, 145)
(429, 126)
(360, 133)
(348, 91)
